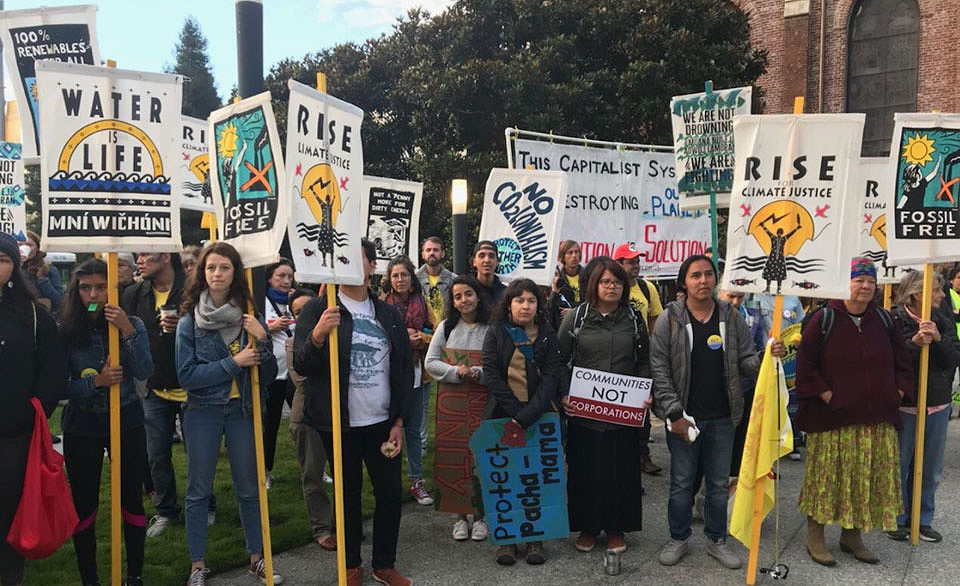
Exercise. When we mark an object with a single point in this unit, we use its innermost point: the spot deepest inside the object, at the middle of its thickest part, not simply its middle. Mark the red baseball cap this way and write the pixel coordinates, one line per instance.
(625, 251)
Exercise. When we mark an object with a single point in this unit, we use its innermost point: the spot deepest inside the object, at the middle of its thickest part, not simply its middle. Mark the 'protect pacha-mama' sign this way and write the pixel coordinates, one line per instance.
(524, 489)
(610, 397)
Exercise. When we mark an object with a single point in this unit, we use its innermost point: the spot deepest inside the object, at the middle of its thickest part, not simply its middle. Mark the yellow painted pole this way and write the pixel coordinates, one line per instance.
(209, 221)
(775, 329)
(334, 350)
(887, 296)
(925, 311)
(258, 449)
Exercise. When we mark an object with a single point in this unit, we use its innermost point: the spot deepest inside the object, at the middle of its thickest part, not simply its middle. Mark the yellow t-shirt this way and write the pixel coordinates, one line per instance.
(435, 300)
(234, 348)
(574, 281)
(646, 307)
(179, 395)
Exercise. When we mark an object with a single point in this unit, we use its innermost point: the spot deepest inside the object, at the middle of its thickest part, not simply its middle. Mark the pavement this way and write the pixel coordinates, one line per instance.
(428, 554)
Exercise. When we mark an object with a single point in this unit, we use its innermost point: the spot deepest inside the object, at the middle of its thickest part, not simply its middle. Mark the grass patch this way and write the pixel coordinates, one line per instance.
(167, 560)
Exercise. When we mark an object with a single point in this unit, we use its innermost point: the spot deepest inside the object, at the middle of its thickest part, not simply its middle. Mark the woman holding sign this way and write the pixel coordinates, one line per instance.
(84, 321)
(605, 334)
(213, 360)
(521, 364)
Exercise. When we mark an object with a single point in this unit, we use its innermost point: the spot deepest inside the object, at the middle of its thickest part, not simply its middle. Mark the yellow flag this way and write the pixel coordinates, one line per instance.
(769, 437)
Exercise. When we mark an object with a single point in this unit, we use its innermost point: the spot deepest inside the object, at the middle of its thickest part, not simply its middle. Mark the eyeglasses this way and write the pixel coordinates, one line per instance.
(608, 283)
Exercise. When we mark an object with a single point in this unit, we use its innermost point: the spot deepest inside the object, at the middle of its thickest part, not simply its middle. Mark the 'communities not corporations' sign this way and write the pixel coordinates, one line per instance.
(610, 397)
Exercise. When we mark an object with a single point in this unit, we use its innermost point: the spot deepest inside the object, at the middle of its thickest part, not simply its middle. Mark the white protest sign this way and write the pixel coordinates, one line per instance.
(790, 230)
(325, 173)
(522, 214)
(61, 33)
(247, 179)
(109, 153)
(193, 170)
(925, 166)
(610, 397)
(391, 215)
(13, 207)
(876, 191)
(703, 143)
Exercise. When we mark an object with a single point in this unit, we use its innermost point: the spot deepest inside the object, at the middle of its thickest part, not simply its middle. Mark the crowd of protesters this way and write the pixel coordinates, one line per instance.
(188, 347)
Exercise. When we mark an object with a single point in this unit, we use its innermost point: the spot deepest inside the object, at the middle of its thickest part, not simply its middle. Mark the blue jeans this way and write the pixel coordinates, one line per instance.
(934, 445)
(205, 426)
(413, 434)
(709, 456)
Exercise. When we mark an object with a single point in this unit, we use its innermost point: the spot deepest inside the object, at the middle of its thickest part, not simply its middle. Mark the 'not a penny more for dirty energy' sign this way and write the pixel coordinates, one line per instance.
(610, 397)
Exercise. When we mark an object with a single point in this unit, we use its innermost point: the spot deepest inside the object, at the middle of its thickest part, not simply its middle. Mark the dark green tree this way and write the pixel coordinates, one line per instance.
(439, 90)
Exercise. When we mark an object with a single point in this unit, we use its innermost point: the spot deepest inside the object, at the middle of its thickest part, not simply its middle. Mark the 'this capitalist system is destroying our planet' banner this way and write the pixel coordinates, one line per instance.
(63, 33)
(789, 230)
(391, 209)
(522, 214)
(925, 164)
(247, 179)
(703, 143)
(325, 171)
(110, 142)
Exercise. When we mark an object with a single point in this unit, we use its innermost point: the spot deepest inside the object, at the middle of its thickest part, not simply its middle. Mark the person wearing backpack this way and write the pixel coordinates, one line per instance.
(853, 369)
(565, 291)
(32, 364)
(603, 483)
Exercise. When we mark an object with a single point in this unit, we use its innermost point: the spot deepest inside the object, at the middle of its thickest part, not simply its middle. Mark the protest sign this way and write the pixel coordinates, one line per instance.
(610, 397)
(247, 179)
(193, 172)
(109, 151)
(522, 214)
(459, 411)
(925, 166)
(391, 209)
(876, 191)
(703, 143)
(63, 33)
(788, 208)
(325, 176)
(13, 209)
(524, 489)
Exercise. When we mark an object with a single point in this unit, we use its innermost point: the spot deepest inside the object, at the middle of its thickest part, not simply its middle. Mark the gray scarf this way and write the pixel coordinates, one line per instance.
(227, 319)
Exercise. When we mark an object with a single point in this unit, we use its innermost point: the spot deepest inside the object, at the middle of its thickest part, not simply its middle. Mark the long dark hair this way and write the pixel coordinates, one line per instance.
(501, 313)
(592, 295)
(452, 315)
(404, 261)
(283, 262)
(239, 291)
(74, 318)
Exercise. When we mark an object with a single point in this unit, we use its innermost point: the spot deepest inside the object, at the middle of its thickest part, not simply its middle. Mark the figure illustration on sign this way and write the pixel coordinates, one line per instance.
(389, 235)
(928, 183)
(780, 228)
(246, 158)
(321, 191)
(199, 166)
(878, 230)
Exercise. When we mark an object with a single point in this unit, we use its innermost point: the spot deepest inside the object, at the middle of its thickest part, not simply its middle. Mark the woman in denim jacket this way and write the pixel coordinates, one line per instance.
(86, 419)
(213, 356)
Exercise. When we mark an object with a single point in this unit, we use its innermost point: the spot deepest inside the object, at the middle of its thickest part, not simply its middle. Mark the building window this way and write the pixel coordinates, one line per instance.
(882, 67)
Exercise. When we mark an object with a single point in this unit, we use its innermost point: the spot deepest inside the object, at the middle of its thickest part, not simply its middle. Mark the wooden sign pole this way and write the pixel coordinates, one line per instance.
(887, 296)
(925, 310)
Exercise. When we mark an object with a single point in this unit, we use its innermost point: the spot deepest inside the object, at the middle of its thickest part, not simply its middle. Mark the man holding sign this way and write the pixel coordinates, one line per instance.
(605, 343)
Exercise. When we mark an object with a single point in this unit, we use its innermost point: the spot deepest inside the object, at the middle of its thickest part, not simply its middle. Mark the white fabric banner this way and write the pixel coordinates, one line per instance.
(522, 214)
(789, 207)
(63, 33)
(391, 215)
(193, 170)
(703, 144)
(109, 151)
(13, 207)
(876, 189)
(925, 166)
(614, 196)
(325, 176)
(247, 179)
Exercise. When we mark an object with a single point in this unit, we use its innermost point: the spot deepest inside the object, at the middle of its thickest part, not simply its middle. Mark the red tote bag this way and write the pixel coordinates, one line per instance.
(46, 517)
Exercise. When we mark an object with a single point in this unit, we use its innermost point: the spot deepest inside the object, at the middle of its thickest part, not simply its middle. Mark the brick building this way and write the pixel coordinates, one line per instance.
(877, 56)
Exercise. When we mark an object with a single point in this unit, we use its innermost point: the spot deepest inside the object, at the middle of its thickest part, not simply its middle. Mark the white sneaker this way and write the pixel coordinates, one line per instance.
(480, 531)
(269, 479)
(211, 518)
(327, 479)
(461, 531)
(158, 524)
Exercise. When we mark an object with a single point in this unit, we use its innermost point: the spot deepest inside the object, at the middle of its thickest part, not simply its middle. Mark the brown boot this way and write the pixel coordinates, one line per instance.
(817, 546)
(851, 542)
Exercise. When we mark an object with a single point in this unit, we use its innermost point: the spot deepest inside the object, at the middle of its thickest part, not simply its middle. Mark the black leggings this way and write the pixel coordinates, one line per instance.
(13, 466)
(84, 459)
(280, 390)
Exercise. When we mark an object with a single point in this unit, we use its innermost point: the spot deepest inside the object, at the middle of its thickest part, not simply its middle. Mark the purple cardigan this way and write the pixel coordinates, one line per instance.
(863, 367)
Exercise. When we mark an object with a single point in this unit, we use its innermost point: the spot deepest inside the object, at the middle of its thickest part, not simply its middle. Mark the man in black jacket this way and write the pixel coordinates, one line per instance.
(376, 381)
(155, 300)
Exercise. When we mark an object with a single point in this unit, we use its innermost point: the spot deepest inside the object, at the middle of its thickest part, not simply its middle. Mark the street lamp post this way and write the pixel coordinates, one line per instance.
(458, 200)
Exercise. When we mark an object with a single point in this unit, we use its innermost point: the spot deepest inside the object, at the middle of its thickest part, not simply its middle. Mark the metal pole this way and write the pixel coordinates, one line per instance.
(460, 244)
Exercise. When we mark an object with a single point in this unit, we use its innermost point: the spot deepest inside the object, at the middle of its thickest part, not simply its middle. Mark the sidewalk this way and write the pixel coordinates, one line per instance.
(431, 558)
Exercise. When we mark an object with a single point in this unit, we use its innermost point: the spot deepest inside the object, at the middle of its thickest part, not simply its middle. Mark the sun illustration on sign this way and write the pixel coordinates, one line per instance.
(879, 230)
(321, 192)
(227, 143)
(779, 219)
(919, 149)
